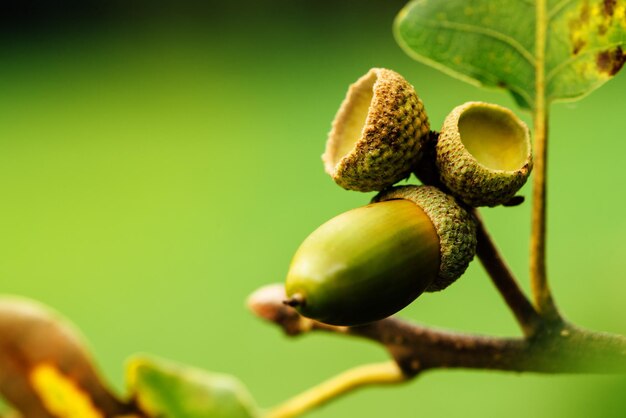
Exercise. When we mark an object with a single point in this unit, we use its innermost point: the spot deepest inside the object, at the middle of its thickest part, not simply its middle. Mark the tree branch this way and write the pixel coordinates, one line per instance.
(502, 277)
(563, 348)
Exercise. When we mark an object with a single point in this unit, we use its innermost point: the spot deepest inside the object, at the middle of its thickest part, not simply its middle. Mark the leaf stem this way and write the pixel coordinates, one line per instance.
(538, 275)
(348, 381)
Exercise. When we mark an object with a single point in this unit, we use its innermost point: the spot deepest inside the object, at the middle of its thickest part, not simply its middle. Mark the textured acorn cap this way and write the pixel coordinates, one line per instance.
(375, 136)
(455, 227)
(483, 153)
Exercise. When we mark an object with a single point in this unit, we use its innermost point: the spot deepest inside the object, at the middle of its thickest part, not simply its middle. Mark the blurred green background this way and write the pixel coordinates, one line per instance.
(159, 162)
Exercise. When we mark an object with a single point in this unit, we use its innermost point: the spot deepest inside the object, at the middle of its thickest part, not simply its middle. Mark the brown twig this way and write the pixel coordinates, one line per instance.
(504, 280)
(560, 349)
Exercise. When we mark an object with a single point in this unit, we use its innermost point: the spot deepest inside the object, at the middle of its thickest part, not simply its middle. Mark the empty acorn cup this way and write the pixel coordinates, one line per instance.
(483, 153)
(375, 136)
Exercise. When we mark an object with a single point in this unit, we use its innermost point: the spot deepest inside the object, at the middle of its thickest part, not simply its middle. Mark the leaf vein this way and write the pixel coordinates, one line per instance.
(556, 70)
(494, 81)
(459, 74)
(559, 8)
(461, 27)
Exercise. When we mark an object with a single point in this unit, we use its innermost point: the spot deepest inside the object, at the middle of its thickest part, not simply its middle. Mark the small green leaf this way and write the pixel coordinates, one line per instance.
(492, 43)
(167, 390)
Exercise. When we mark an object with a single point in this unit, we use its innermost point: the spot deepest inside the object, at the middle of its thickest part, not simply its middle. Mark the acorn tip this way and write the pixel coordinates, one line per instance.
(295, 300)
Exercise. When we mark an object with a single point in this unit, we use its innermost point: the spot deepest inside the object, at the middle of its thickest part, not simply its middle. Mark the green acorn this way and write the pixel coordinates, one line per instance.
(368, 263)
(375, 136)
(483, 153)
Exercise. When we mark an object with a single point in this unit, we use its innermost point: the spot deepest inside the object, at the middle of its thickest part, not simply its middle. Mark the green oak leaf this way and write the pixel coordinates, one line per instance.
(163, 389)
(492, 43)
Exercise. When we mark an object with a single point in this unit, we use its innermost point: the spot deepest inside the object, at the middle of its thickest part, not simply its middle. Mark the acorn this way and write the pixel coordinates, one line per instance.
(376, 134)
(368, 263)
(483, 154)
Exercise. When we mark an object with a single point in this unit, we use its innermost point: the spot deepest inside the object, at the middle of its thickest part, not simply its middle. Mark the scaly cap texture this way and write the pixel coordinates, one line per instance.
(455, 227)
(375, 136)
(483, 153)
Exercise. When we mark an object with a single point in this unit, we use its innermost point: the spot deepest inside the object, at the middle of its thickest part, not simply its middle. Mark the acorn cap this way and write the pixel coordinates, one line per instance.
(365, 264)
(375, 136)
(455, 227)
(483, 153)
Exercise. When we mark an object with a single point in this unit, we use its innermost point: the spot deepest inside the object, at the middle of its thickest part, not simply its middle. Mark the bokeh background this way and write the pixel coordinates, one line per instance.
(161, 161)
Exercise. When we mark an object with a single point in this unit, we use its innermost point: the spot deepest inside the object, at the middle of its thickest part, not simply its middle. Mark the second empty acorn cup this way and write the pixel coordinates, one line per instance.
(483, 153)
